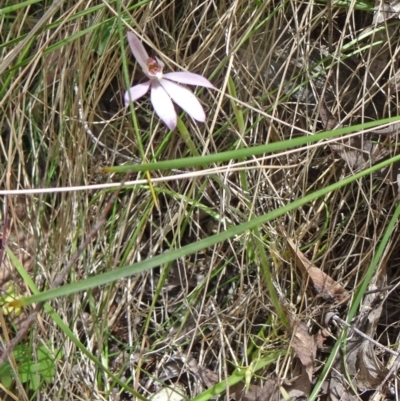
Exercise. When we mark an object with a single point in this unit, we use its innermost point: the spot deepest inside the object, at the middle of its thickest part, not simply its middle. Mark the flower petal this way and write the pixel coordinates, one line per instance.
(136, 92)
(163, 105)
(185, 99)
(189, 78)
(138, 51)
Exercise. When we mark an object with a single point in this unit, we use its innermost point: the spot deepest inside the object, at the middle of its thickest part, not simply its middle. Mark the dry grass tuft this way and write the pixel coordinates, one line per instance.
(214, 305)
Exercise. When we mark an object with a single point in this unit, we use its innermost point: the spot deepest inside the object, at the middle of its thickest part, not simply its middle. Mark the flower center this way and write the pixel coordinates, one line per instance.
(155, 69)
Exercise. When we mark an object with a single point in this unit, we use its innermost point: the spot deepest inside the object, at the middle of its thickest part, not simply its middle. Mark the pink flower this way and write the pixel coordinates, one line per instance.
(163, 89)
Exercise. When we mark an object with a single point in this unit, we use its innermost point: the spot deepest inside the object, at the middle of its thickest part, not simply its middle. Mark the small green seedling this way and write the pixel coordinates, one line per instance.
(31, 372)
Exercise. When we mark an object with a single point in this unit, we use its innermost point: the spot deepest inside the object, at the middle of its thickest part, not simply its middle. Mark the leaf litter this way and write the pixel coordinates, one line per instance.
(323, 284)
(360, 152)
(359, 360)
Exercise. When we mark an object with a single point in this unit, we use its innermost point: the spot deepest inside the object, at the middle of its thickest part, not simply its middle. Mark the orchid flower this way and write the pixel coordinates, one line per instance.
(163, 89)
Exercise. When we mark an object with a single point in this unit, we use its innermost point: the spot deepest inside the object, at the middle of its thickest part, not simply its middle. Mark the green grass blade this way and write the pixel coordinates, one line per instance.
(247, 152)
(127, 271)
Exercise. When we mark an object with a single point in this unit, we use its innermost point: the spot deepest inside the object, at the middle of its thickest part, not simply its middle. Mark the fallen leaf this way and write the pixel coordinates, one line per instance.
(359, 152)
(299, 388)
(304, 345)
(169, 371)
(329, 289)
(207, 376)
(339, 389)
(328, 120)
(361, 364)
(394, 82)
(370, 371)
(175, 392)
(269, 391)
(321, 337)
(392, 129)
(385, 10)
(380, 58)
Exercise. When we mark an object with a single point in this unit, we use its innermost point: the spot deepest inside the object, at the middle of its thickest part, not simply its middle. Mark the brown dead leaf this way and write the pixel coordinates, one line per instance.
(321, 337)
(380, 57)
(392, 129)
(385, 10)
(359, 152)
(394, 82)
(304, 345)
(339, 390)
(370, 371)
(360, 363)
(299, 388)
(239, 391)
(269, 391)
(329, 289)
(328, 120)
(207, 376)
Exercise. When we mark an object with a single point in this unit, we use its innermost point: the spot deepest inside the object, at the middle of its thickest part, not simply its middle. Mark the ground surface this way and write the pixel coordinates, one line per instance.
(223, 309)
